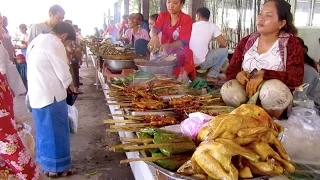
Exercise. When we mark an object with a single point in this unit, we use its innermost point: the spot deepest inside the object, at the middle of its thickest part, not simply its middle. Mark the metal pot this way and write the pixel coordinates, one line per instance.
(167, 70)
(116, 66)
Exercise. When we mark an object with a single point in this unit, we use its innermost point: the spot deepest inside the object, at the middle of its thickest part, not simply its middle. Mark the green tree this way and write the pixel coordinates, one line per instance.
(154, 7)
(134, 6)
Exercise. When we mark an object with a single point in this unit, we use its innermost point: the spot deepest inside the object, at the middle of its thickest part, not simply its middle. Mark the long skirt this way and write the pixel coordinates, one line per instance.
(14, 80)
(53, 137)
(22, 69)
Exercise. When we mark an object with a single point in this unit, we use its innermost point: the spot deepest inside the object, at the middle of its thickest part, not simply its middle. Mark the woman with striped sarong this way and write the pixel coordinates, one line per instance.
(48, 78)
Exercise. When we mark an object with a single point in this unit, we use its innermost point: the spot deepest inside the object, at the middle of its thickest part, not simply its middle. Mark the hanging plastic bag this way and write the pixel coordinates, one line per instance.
(27, 139)
(301, 138)
(183, 76)
(27, 101)
(191, 126)
(73, 119)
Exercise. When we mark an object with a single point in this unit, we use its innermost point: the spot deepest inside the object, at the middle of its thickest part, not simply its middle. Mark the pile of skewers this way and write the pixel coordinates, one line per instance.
(135, 123)
(169, 150)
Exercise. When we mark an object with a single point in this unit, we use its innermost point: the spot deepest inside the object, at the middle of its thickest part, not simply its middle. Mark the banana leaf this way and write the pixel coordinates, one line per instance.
(169, 164)
(160, 137)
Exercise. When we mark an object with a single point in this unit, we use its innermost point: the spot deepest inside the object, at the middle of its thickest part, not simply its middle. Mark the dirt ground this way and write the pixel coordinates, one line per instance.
(90, 157)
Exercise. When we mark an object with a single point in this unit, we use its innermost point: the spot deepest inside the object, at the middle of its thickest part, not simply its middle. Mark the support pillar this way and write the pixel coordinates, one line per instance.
(196, 4)
(145, 8)
(163, 6)
(126, 6)
(116, 14)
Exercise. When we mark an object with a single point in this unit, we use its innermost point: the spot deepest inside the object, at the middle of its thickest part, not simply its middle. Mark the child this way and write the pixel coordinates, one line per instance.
(22, 68)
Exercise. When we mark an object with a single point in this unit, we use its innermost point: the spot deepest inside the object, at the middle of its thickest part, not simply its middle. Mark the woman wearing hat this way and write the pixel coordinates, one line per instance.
(176, 28)
(136, 36)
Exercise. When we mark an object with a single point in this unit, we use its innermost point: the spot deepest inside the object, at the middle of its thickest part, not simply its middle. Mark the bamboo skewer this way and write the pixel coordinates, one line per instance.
(172, 86)
(153, 146)
(151, 159)
(111, 121)
(119, 104)
(120, 87)
(130, 126)
(136, 140)
(115, 147)
(122, 130)
(216, 107)
(127, 116)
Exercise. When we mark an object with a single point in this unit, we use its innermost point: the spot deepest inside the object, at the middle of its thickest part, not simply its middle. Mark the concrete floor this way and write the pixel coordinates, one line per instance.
(90, 157)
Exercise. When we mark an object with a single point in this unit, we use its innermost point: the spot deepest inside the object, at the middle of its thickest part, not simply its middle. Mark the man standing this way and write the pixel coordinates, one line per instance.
(202, 33)
(56, 15)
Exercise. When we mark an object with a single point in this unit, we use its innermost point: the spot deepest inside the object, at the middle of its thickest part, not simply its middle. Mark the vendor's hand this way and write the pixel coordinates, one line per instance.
(243, 77)
(254, 82)
(78, 54)
(17, 47)
(154, 44)
(165, 47)
(71, 88)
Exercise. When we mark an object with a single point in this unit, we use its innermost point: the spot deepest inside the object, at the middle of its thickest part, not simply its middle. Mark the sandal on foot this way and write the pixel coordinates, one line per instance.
(53, 175)
(70, 172)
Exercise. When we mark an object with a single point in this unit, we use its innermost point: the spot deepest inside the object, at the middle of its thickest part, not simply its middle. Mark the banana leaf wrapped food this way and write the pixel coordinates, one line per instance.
(162, 136)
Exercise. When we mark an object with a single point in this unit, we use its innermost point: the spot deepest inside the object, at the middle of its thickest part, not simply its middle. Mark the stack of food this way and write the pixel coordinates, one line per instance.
(109, 49)
(169, 150)
(135, 123)
(209, 105)
(242, 144)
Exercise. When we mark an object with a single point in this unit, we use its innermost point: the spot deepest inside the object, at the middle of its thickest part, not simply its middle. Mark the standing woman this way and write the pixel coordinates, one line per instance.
(176, 28)
(7, 41)
(48, 80)
(15, 161)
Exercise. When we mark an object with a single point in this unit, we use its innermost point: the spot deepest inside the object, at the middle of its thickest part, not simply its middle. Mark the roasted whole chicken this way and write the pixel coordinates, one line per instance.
(242, 144)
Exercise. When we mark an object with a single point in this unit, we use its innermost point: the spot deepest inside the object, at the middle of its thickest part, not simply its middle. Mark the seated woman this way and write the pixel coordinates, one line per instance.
(311, 77)
(136, 36)
(176, 30)
(274, 52)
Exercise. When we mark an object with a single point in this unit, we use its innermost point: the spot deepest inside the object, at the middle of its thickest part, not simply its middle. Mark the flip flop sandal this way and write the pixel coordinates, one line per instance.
(51, 175)
(70, 172)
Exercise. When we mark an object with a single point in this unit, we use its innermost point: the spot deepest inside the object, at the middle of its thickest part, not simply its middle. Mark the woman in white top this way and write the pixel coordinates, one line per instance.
(48, 78)
(8, 70)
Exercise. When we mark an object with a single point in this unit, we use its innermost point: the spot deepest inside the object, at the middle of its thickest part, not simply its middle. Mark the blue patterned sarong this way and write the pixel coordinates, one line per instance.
(22, 69)
(53, 137)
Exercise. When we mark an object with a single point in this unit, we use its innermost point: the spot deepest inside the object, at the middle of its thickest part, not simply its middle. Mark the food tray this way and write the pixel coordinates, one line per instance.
(119, 57)
(174, 175)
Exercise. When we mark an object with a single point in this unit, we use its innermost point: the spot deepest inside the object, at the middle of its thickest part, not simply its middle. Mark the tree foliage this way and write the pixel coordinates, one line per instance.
(154, 6)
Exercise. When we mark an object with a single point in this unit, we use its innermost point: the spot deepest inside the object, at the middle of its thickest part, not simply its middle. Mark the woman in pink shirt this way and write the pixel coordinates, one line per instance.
(137, 36)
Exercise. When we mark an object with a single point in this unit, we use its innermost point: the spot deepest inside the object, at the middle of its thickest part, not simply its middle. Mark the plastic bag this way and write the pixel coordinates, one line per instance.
(158, 55)
(301, 138)
(27, 139)
(191, 126)
(183, 76)
(27, 101)
(73, 119)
